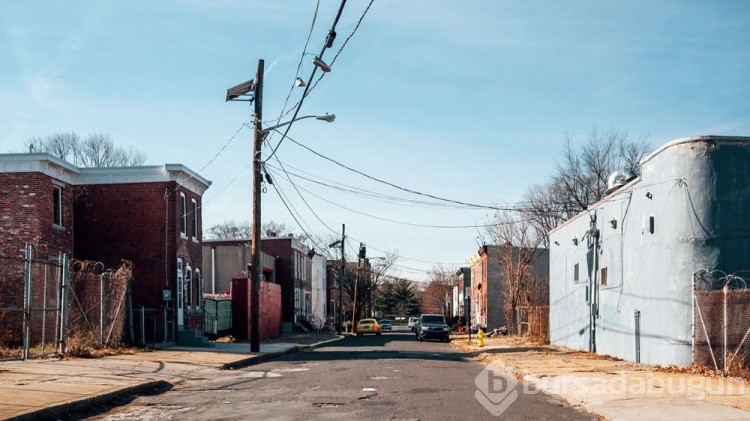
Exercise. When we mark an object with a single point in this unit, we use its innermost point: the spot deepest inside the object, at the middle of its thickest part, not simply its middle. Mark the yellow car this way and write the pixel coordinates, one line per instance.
(368, 326)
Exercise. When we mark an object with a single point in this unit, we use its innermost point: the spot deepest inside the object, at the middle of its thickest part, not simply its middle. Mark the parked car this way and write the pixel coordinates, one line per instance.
(432, 326)
(368, 326)
(412, 323)
(385, 325)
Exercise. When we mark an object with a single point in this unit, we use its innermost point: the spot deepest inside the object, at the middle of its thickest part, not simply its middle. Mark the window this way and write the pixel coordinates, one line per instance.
(57, 205)
(188, 286)
(575, 273)
(603, 276)
(183, 215)
(180, 284)
(194, 215)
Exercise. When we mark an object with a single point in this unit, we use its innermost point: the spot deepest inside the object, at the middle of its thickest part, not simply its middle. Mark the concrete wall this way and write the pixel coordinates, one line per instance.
(695, 195)
(319, 296)
(495, 285)
(224, 260)
(465, 282)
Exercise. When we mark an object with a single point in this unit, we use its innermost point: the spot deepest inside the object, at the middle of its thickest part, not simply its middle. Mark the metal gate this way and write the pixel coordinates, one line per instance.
(30, 302)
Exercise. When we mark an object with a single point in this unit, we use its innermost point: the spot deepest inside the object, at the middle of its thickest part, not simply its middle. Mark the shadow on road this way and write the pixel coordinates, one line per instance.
(396, 345)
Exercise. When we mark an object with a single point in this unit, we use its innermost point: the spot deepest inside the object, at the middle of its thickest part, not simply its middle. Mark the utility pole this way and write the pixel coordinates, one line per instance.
(255, 259)
(341, 278)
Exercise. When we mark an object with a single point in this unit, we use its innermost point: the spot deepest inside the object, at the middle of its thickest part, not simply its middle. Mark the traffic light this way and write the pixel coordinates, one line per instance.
(362, 251)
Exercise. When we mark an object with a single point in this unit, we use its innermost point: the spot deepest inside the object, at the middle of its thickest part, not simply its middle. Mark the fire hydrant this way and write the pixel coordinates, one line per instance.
(480, 337)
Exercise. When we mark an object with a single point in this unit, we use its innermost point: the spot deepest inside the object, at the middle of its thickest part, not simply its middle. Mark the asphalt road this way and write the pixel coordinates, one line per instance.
(386, 377)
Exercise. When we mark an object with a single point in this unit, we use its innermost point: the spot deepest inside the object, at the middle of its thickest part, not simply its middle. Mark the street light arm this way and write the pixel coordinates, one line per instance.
(325, 117)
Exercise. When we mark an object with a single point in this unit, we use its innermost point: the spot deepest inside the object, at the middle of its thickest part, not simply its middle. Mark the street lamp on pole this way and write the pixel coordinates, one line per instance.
(252, 91)
(323, 117)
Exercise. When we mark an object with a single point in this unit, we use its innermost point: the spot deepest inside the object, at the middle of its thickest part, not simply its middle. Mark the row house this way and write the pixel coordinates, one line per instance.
(488, 276)
(285, 261)
(150, 215)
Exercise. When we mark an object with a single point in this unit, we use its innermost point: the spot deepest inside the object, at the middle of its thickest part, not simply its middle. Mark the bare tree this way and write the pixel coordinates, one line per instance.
(439, 290)
(229, 230)
(519, 249)
(61, 145)
(547, 206)
(232, 230)
(97, 150)
(581, 178)
(583, 173)
(276, 229)
(363, 280)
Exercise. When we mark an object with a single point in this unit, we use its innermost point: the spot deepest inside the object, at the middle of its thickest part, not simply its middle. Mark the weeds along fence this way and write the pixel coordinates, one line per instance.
(53, 305)
(94, 310)
(721, 323)
(533, 322)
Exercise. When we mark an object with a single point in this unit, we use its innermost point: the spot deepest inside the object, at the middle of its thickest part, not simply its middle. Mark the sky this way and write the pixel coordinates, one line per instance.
(464, 101)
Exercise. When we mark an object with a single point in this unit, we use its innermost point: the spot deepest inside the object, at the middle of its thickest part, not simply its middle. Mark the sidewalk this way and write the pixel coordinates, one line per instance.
(39, 389)
(611, 388)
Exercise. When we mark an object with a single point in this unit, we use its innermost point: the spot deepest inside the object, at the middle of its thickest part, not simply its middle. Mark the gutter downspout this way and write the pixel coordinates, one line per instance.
(213, 269)
(594, 304)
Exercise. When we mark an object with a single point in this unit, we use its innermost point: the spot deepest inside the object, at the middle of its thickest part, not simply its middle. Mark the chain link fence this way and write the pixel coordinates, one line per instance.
(721, 320)
(50, 305)
(95, 304)
(11, 307)
(149, 327)
(29, 305)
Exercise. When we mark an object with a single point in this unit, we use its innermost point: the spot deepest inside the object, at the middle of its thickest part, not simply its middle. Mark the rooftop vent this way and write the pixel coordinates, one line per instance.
(618, 179)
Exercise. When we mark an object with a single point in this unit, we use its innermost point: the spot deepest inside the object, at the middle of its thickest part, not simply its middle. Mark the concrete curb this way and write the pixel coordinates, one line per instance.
(257, 359)
(53, 412)
(321, 343)
(146, 387)
(261, 358)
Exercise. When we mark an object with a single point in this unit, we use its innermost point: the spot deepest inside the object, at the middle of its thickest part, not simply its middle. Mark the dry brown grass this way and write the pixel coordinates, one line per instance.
(85, 345)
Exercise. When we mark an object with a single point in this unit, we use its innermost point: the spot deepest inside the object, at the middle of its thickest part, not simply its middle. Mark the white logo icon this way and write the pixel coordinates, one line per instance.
(494, 391)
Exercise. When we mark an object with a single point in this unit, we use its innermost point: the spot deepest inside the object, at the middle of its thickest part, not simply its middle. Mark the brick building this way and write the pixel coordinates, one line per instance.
(285, 261)
(150, 215)
(489, 281)
(294, 274)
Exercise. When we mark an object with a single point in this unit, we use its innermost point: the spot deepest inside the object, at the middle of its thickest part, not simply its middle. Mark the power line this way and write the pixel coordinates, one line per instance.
(399, 222)
(283, 113)
(466, 204)
(305, 202)
(366, 193)
(328, 44)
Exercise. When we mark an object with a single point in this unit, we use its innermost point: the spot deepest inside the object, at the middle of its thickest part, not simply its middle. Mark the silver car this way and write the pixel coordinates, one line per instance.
(413, 322)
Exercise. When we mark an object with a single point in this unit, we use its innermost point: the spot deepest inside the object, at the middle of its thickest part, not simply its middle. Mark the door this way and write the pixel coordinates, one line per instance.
(180, 295)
